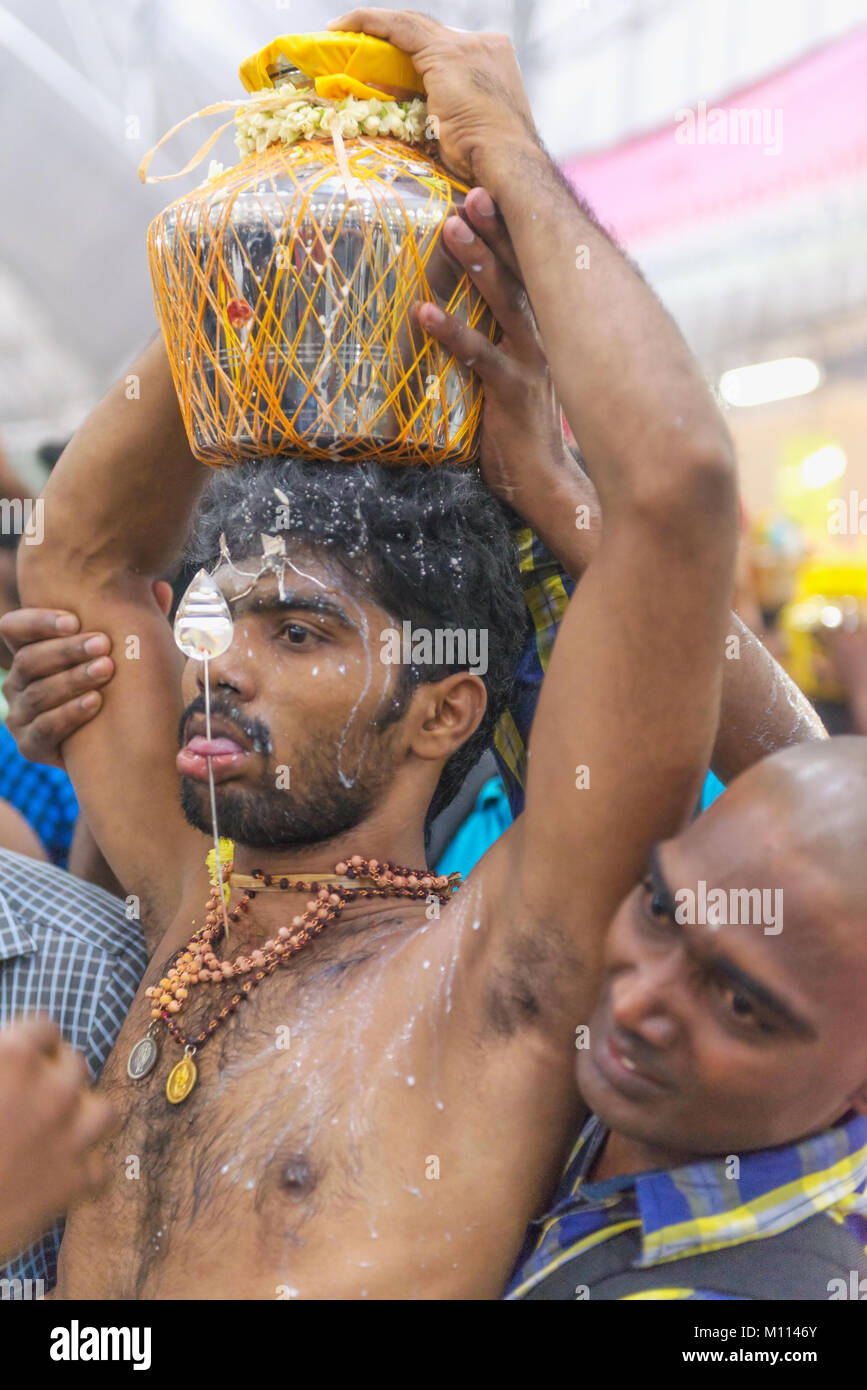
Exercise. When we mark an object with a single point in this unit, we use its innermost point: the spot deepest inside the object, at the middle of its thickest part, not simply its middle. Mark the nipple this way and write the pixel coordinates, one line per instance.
(297, 1176)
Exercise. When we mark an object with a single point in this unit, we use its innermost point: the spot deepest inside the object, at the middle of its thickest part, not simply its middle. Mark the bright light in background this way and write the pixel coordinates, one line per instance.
(770, 381)
(831, 616)
(823, 467)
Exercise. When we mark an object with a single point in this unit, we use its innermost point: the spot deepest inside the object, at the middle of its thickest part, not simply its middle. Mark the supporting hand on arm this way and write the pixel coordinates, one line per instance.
(117, 508)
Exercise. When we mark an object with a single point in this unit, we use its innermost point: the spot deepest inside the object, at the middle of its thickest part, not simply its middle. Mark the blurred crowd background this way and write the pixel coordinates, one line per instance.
(725, 145)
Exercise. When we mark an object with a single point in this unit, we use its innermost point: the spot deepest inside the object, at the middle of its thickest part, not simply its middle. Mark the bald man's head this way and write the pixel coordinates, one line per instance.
(735, 991)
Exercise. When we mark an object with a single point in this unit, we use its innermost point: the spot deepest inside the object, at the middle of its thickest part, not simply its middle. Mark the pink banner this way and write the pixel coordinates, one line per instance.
(801, 128)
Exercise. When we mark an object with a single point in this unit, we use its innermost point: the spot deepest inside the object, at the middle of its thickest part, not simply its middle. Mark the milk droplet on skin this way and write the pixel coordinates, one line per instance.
(440, 1105)
(410, 1081)
(425, 965)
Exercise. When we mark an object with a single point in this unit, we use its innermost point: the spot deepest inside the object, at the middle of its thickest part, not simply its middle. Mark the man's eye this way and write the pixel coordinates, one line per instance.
(740, 1005)
(742, 1009)
(296, 634)
(655, 903)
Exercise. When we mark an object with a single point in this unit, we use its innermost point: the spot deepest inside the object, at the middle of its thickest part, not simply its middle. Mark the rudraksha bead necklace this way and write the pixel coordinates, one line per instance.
(197, 963)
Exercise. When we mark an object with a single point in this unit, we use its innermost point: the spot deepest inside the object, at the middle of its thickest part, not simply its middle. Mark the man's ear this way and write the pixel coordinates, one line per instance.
(446, 713)
(162, 592)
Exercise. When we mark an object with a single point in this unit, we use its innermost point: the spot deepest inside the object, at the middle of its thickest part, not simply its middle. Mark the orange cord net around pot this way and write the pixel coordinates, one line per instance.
(285, 289)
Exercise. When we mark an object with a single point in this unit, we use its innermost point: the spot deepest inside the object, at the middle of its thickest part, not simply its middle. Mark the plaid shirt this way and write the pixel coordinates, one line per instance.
(698, 1208)
(547, 590)
(67, 949)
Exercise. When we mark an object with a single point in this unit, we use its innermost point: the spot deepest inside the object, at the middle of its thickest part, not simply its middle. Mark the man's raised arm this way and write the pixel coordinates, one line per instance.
(629, 708)
(116, 511)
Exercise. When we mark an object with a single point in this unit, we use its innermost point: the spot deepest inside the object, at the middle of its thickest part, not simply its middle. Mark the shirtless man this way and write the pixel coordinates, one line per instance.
(422, 1111)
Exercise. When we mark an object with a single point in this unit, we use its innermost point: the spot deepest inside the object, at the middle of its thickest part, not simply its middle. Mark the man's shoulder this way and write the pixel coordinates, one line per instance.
(39, 895)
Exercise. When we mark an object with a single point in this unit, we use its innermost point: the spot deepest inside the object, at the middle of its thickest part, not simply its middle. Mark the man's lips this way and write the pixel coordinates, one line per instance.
(621, 1069)
(212, 748)
(226, 757)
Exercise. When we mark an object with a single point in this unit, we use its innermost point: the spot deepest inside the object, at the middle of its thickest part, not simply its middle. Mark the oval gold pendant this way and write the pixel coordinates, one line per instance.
(182, 1079)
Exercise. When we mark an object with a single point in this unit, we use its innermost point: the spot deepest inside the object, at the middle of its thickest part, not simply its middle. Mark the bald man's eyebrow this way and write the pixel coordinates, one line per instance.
(764, 996)
(660, 889)
(263, 604)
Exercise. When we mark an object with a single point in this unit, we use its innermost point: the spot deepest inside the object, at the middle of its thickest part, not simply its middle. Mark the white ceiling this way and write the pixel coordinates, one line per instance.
(87, 86)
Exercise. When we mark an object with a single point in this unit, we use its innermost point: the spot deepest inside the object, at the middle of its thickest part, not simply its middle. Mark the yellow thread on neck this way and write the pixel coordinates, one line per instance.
(227, 855)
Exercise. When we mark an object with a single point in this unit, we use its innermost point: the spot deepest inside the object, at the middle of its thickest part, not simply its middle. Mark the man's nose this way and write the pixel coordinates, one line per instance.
(645, 1002)
(232, 671)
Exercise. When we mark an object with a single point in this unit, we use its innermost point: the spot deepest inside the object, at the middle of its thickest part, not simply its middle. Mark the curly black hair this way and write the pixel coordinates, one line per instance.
(429, 545)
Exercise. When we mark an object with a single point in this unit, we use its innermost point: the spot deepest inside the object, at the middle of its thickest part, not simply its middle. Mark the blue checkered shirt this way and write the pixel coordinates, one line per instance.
(42, 794)
(68, 950)
(699, 1207)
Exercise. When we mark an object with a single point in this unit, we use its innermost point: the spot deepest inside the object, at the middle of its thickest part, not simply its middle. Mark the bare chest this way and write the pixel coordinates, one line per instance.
(308, 1149)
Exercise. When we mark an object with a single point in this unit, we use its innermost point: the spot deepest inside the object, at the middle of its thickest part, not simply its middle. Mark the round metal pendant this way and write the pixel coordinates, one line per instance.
(142, 1059)
(182, 1079)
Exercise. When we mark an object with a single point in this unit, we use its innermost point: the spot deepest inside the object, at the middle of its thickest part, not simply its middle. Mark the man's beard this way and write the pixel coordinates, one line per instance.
(316, 807)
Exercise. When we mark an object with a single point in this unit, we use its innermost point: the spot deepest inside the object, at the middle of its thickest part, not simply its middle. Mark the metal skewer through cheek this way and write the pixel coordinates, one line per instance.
(214, 826)
(203, 629)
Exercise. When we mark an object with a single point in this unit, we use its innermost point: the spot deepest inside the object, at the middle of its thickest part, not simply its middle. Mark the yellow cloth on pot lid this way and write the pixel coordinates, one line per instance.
(341, 64)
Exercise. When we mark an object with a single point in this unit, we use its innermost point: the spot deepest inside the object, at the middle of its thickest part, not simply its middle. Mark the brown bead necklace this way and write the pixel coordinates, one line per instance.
(197, 963)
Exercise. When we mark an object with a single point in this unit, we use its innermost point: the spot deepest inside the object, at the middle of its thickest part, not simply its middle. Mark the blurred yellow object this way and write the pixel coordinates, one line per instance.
(830, 594)
(341, 64)
(808, 479)
(227, 855)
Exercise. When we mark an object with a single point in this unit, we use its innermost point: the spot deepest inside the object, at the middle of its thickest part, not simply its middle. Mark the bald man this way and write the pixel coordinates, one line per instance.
(724, 1068)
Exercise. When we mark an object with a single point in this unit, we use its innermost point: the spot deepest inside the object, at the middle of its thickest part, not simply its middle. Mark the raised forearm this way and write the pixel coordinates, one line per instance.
(119, 498)
(563, 509)
(630, 388)
(761, 709)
